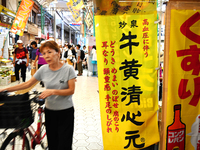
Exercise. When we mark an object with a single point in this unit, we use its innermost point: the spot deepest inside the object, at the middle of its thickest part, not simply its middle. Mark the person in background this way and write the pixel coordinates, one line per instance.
(84, 49)
(69, 55)
(94, 60)
(29, 48)
(41, 60)
(66, 52)
(74, 55)
(59, 80)
(79, 60)
(85, 61)
(34, 49)
(20, 61)
(63, 52)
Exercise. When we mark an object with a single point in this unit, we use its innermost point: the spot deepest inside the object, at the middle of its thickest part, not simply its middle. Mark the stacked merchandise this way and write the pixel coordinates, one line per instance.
(5, 71)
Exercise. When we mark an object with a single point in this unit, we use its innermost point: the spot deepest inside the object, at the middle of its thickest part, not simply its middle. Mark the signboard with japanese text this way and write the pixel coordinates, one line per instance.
(21, 18)
(119, 7)
(6, 18)
(75, 13)
(127, 61)
(76, 4)
(89, 17)
(183, 108)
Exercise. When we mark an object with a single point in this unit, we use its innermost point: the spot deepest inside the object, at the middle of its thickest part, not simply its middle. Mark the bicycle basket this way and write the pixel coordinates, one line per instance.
(15, 111)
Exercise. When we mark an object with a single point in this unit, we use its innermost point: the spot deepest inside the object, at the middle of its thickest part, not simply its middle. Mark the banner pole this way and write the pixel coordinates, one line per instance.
(165, 77)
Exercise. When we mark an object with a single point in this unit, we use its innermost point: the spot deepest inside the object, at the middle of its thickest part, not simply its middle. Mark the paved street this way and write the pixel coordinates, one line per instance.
(87, 132)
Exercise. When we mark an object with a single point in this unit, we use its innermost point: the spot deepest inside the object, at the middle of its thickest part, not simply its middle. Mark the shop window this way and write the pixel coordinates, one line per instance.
(33, 17)
(4, 3)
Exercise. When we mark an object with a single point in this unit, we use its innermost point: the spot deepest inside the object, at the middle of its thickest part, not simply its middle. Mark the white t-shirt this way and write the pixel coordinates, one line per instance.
(56, 80)
(94, 55)
(69, 54)
(63, 52)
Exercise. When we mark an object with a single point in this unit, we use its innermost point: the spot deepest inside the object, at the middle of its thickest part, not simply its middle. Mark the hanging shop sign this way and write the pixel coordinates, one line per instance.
(75, 13)
(22, 16)
(89, 17)
(119, 7)
(183, 106)
(76, 4)
(32, 29)
(6, 17)
(42, 20)
(127, 61)
(75, 24)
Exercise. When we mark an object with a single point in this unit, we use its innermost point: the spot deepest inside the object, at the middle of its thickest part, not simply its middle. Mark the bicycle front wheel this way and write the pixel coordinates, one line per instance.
(44, 142)
(14, 141)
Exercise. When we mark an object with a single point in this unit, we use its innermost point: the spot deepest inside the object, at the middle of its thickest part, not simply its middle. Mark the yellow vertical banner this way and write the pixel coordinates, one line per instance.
(75, 13)
(119, 7)
(21, 18)
(76, 4)
(183, 109)
(127, 61)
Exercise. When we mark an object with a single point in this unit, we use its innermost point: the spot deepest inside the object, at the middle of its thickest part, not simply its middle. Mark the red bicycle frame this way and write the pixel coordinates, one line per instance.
(35, 135)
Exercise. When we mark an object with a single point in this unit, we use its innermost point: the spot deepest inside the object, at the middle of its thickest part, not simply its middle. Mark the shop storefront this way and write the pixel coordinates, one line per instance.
(32, 31)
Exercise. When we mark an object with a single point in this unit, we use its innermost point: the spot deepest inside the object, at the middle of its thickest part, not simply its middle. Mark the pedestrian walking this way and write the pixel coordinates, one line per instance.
(74, 54)
(59, 80)
(71, 57)
(79, 60)
(33, 55)
(20, 61)
(94, 60)
(85, 61)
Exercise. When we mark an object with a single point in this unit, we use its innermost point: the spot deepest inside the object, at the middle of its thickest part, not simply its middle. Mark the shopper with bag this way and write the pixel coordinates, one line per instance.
(71, 56)
(20, 61)
(59, 80)
(33, 55)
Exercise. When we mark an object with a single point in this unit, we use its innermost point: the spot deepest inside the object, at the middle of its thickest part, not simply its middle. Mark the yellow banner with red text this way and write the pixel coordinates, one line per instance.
(183, 109)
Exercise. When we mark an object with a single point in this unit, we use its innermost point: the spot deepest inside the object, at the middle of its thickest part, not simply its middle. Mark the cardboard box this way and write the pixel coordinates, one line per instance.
(5, 80)
(13, 78)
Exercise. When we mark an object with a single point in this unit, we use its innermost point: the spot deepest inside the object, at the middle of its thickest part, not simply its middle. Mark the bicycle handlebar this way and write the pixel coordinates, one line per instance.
(35, 99)
(38, 100)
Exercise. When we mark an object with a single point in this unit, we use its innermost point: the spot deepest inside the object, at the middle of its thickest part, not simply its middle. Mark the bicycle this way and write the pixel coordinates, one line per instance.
(18, 139)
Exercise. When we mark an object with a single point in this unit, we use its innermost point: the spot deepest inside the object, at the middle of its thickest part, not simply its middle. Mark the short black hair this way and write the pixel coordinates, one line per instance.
(84, 46)
(34, 43)
(78, 46)
(69, 46)
(94, 46)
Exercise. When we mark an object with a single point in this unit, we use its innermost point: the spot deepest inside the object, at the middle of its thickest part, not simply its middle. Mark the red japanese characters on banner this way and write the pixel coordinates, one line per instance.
(145, 37)
(110, 81)
(191, 61)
